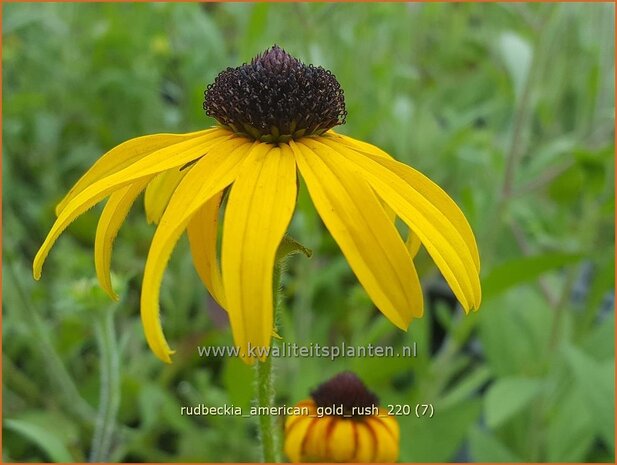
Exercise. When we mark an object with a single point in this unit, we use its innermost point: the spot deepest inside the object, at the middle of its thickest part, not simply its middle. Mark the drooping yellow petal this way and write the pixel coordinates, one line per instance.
(367, 237)
(413, 243)
(424, 212)
(366, 451)
(129, 152)
(159, 192)
(202, 231)
(296, 428)
(316, 439)
(435, 194)
(356, 144)
(156, 162)
(309, 405)
(209, 176)
(386, 440)
(259, 208)
(295, 438)
(114, 214)
(391, 213)
(342, 441)
(389, 421)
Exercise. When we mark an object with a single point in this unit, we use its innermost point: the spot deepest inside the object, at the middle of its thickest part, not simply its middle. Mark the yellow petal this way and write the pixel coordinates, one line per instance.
(316, 439)
(435, 194)
(295, 437)
(423, 211)
(390, 422)
(387, 442)
(259, 208)
(129, 152)
(413, 243)
(296, 427)
(368, 239)
(292, 419)
(159, 192)
(391, 213)
(366, 451)
(209, 176)
(156, 162)
(342, 441)
(114, 213)
(358, 144)
(203, 231)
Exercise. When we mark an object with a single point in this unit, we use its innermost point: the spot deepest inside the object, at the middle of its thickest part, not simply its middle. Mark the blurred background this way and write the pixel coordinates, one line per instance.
(509, 107)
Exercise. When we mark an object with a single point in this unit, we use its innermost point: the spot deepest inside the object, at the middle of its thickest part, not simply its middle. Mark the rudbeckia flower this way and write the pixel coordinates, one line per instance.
(344, 423)
(275, 118)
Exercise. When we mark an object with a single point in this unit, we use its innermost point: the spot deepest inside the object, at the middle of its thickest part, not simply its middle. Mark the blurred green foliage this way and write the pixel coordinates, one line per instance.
(510, 107)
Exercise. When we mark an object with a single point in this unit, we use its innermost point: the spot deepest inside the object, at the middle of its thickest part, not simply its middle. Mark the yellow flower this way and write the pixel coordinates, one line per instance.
(276, 117)
(358, 431)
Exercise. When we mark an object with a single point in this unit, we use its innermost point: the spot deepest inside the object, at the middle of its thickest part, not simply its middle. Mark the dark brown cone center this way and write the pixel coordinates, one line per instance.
(347, 392)
(275, 98)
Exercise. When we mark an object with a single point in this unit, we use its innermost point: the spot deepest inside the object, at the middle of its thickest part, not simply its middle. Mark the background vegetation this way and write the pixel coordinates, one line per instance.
(510, 107)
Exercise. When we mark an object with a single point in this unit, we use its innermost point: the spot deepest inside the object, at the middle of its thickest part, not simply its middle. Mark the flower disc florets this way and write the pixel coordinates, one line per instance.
(345, 389)
(275, 98)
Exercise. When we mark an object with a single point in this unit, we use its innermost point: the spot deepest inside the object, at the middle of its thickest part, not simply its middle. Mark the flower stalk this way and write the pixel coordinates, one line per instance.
(109, 404)
(269, 434)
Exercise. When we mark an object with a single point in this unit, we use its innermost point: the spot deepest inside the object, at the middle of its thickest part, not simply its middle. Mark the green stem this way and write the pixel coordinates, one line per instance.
(269, 433)
(20, 382)
(59, 376)
(110, 389)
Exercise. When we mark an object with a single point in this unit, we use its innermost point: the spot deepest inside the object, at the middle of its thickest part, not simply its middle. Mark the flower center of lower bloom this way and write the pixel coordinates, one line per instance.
(276, 98)
(348, 391)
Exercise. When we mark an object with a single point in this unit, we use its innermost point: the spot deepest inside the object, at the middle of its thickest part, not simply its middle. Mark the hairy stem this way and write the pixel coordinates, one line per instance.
(269, 433)
(109, 404)
(59, 376)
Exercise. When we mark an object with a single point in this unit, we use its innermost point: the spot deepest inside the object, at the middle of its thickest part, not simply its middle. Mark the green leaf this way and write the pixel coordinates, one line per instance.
(465, 388)
(507, 397)
(437, 439)
(596, 382)
(513, 329)
(255, 27)
(238, 381)
(568, 187)
(600, 341)
(46, 439)
(520, 270)
(290, 246)
(485, 447)
(570, 432)
(517, 55)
